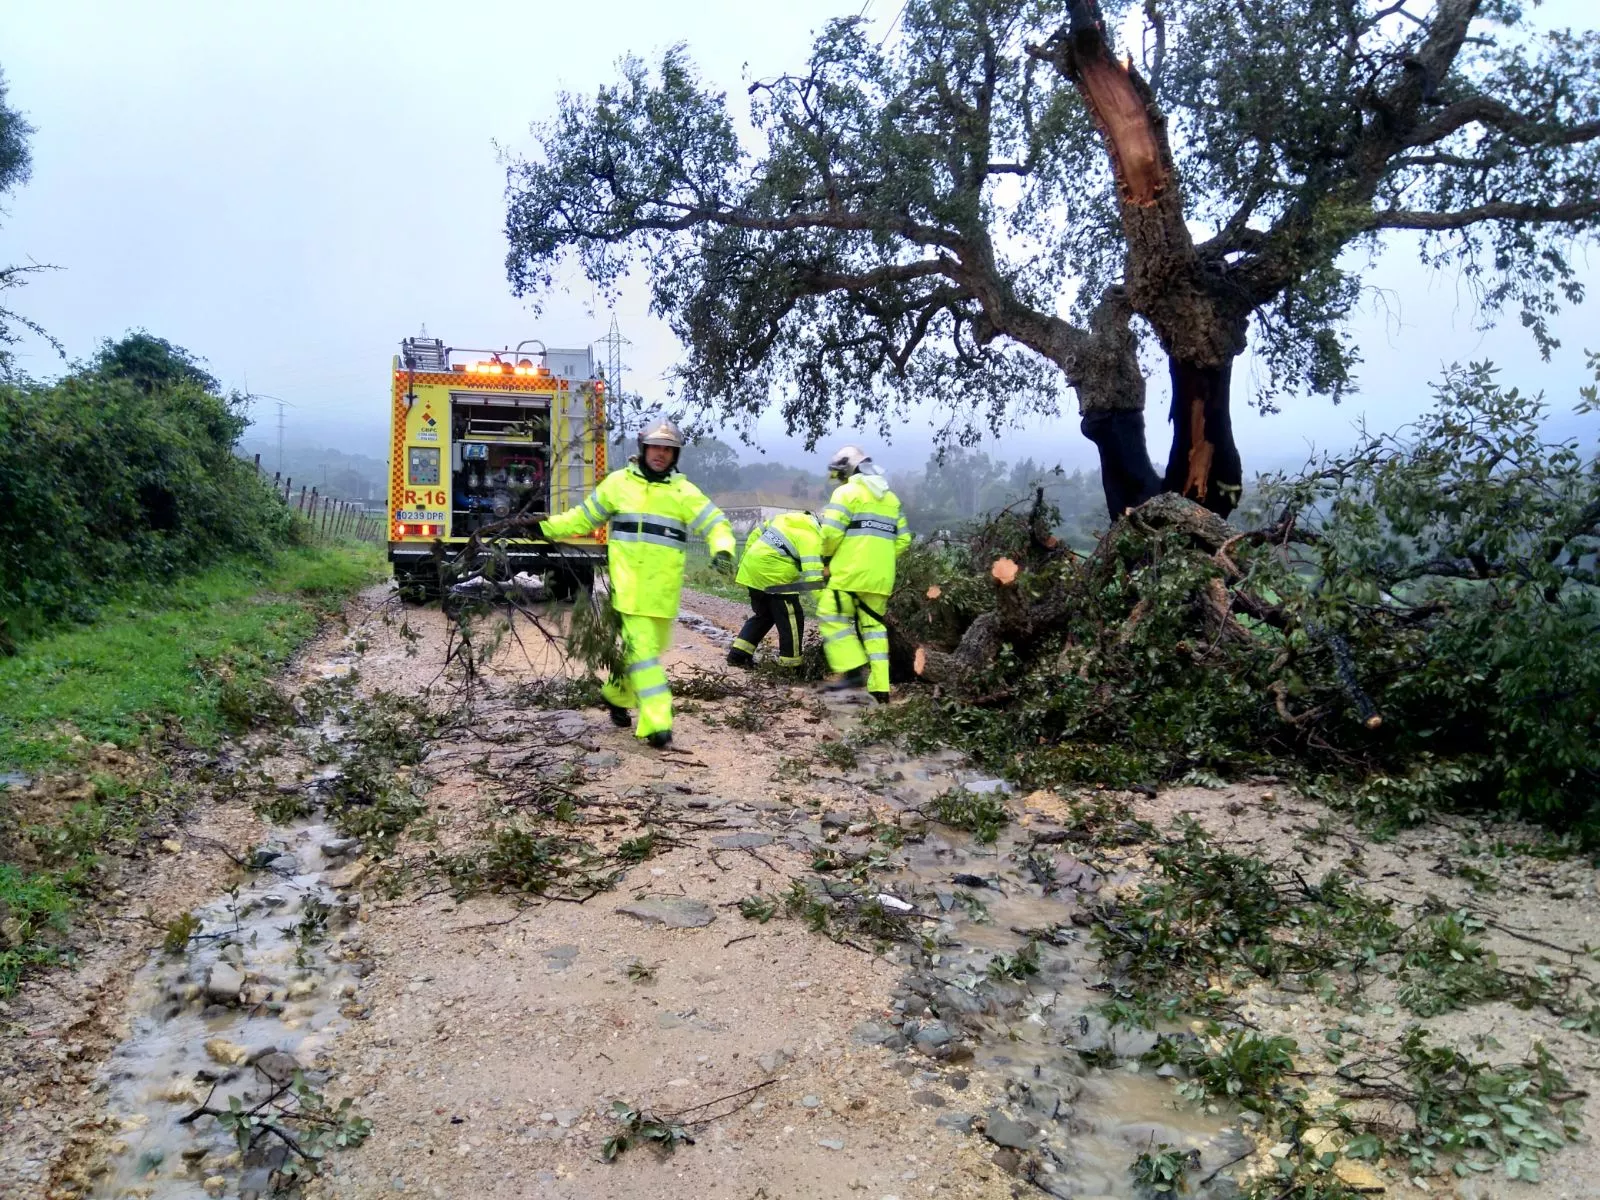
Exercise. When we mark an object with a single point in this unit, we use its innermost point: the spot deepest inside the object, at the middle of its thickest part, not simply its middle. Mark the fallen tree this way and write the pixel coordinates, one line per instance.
(1419, 614)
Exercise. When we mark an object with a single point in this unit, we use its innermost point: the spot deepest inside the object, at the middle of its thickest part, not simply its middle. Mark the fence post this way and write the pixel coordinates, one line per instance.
(258, 464)
(288, 486)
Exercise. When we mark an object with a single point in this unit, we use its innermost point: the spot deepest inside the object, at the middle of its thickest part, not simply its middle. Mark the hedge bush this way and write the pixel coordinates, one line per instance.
(122, 470)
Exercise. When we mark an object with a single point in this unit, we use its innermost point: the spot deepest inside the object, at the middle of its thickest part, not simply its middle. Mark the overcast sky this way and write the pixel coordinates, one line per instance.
(289, 189)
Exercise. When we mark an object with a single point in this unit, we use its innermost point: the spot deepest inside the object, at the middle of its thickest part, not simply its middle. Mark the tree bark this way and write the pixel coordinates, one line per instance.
(1111, 396)
(1204, 463)
(1126, 474)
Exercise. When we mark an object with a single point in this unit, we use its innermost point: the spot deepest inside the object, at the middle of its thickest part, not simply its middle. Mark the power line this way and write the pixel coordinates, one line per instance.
(281, 403)
(888, 33)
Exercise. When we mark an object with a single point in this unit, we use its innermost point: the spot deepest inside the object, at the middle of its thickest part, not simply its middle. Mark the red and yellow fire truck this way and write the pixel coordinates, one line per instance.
(477, 436)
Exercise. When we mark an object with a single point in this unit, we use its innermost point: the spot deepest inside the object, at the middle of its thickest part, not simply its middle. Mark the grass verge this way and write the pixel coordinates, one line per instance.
(196, 659)
(187, 654)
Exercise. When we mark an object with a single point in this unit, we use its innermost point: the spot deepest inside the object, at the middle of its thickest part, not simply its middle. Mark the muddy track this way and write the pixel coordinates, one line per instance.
(489, 1039)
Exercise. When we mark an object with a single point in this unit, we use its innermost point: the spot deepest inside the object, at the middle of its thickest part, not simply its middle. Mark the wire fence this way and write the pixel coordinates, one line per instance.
(327, 519)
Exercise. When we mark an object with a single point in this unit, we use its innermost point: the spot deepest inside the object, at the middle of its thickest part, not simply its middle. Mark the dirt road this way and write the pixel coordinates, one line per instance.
(497, 1042)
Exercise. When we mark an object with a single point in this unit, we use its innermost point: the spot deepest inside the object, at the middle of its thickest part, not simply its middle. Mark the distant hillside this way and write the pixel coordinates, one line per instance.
(332, 472)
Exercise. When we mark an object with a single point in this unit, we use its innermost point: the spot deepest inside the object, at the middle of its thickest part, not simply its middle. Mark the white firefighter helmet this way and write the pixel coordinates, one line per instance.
(660, 432)
(846, 461)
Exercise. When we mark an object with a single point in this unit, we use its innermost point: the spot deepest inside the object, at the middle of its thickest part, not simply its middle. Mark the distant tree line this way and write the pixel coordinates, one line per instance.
(952, 489)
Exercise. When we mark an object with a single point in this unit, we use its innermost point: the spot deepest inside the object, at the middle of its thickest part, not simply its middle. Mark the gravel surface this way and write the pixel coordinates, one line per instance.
(488, 1040)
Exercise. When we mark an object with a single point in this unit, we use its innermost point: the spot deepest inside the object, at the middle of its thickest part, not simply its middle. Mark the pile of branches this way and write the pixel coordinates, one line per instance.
(1420, 616)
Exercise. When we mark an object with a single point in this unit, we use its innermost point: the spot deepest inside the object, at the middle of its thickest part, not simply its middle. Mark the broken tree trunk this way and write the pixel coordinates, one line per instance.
(1013, 619)
(1204, 462)
(1198, 317)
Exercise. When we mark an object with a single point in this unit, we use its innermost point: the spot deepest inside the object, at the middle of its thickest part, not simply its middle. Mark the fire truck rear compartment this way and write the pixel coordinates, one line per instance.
(499, 459)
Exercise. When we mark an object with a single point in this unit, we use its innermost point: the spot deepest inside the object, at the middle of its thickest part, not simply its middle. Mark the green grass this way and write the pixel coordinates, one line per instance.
(200, 654)
(34, 908)
(179, 654)
(700, 575)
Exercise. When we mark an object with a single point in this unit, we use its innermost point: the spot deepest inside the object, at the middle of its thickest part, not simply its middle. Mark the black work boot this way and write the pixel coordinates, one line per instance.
(619, 715)
(660, 739)
(740, 658)
(880, 697)
(847, 682)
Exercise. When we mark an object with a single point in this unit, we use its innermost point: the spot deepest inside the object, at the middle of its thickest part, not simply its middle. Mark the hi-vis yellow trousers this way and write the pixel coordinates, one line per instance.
(643, 684)
(852, 636)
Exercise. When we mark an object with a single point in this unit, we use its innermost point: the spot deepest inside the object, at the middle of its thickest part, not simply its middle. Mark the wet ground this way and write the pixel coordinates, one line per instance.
(489, 1040)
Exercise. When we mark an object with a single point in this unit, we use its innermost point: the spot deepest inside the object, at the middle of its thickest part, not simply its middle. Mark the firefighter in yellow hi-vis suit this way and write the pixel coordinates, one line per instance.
(863, 532)
(782, 558)
(652, 510)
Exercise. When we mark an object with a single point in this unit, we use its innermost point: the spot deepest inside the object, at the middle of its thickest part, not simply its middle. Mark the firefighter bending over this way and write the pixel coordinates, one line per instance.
(652, 511)
(782, 558)
(863, 532)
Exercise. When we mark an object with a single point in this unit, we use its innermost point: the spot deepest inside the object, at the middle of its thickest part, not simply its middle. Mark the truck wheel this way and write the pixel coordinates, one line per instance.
(417, 586)
(561, 585)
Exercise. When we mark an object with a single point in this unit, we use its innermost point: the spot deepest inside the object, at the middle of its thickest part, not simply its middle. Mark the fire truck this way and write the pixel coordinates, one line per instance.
(478, 436)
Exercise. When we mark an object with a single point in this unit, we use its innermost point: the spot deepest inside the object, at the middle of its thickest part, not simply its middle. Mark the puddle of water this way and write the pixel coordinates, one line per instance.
(981, 903)
(257, 996)
(708, 629)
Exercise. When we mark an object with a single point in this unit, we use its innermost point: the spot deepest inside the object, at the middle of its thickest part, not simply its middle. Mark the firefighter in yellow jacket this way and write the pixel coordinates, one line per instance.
(782, 558)
(863, 532)
(652, 511)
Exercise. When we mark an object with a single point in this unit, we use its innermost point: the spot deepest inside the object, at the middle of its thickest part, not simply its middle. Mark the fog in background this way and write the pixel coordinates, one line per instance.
(289, 190)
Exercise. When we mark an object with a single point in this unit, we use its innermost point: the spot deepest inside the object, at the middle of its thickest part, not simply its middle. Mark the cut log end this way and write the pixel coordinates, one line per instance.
(1004, 571)
(935, 592)
(1374, 722)
(920, 659)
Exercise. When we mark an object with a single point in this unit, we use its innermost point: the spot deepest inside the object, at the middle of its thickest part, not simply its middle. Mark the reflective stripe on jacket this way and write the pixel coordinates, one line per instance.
(780, 551)
(650, 527)
(863, 532)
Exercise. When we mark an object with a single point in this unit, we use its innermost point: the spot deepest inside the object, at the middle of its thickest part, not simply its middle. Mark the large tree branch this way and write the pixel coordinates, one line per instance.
(1297, 237)
(1498, 211)
(687, 216)
(1519, 127)
(819, 281)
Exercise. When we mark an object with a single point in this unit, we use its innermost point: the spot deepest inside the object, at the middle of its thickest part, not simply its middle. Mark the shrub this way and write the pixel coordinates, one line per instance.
(122, 470)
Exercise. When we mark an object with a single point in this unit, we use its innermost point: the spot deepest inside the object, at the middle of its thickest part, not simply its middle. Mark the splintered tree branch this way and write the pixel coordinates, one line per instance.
(1122, 117)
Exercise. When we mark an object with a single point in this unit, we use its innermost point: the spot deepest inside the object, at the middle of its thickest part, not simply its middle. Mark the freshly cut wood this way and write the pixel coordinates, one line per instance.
(935, 592)
(1019, 621)
(920, 659)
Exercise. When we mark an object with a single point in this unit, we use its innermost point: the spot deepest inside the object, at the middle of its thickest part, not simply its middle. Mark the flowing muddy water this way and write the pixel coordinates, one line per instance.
(248, 1007)
(1035, 1029)
(255, 999)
